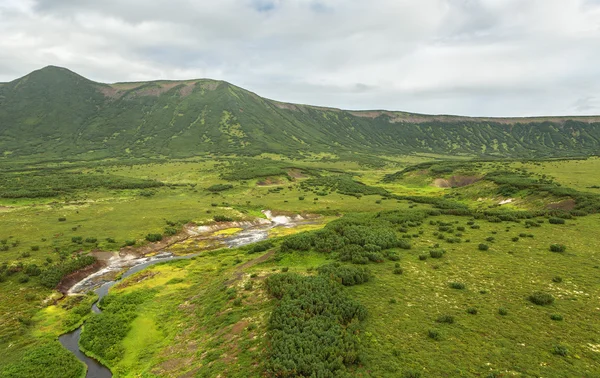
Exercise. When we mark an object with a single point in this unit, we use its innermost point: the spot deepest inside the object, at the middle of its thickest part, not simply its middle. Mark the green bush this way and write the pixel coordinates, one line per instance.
(62, 219)
(398, 271)
(448, 319)
(344, 274)
(154, 238)
(423, 257)
(556, 221)
(502, 311)
(311, 308)
(556, 317)
(436, 253)
(434, 334)
(472, 311)
(483, 247)
(222, 218)
(129, 243)
(219, 187)
(457, 285)
(557, 279)
(558, 248)
(541, 299)
(560, 350)
(91, 240)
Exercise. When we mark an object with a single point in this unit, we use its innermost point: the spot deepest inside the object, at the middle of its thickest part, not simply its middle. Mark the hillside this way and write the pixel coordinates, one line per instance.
(54, 113)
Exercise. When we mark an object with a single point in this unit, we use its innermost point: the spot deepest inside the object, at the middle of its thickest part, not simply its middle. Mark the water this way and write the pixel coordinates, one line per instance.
(71, 340)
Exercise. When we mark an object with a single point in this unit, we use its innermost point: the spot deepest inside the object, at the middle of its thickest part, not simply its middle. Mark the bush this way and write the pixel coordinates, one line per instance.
(558, 248)
(457, 285)
(472, 311)
(436, 253)
(285, 269)
(62, 219)
(541, 299)
(556, 221)
(77, 239)
(556, 317)
(129, 243)
(515, 239)
(560, 350)
(110, 240)
(434, 334)
(222, 218)
(154, 238)
(24, 279)
(423, 257)
(448, 319)
(345, 274)
(219, 187)
(91, 240)
(483, 247)
(557, 279)
(398, 271)
(502, 311)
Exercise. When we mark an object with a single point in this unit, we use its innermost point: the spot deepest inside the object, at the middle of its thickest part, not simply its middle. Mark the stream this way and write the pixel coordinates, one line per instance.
(101, 281)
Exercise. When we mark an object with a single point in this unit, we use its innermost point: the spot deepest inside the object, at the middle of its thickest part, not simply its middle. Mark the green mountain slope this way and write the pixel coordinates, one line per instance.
(54, 113)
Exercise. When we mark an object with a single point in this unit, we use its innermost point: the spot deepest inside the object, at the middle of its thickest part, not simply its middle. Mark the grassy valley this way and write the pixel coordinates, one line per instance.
(243, 237)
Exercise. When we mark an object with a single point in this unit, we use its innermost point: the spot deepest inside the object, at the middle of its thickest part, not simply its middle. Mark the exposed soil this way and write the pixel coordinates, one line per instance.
(296, 173)
(269, 181)
(239, 272)
(68, 281)
(455, 181)
(566, 205)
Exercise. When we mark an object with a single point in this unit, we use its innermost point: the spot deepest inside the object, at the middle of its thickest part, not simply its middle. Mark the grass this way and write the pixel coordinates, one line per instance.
(208, 316)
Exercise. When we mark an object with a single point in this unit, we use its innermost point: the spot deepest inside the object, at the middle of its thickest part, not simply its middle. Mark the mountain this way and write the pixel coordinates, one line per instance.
(54, 113)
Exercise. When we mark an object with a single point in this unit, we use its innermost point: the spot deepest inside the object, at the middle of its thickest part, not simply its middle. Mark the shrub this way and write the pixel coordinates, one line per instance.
(77, 239)
(248, 285)
(436, 253)
(556, 317)
(490, 239)
(62, 219)
(110, 240)
(91, 240)
(434, 334)
(448, 319)
(398, 271)
(404, 244)
(558, 248)
(423, 257)
(541, 299)
(515, 239)
(219, 187)
(301, 198)
(457, 285)
(24, 279)
(25, 254)
(393, 301)
(472, 311)
(170, 231)
(556, 221)
(285, 269)
(483, 247)
(222, 218)
(502, 311)
(557, 279)
(237, 302)
(346, 275)
(154, 237)
(560, 350)
(129, 243)
(411, 374)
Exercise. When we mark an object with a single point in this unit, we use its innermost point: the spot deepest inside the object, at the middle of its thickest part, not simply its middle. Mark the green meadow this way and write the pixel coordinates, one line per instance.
(414, 267)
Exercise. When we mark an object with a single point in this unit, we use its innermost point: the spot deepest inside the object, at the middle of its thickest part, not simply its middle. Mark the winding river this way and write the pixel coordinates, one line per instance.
(100, 282)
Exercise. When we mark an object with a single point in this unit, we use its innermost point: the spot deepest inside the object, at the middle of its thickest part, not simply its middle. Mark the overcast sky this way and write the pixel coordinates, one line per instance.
(470, 57)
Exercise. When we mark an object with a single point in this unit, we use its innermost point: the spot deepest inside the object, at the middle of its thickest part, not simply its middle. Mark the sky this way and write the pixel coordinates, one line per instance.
(467, 57)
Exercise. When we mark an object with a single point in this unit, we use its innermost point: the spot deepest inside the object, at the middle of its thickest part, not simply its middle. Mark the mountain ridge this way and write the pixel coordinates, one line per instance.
(56, 113)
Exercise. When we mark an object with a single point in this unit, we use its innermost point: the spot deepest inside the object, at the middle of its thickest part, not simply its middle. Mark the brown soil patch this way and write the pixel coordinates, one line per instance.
(69, 280)
(455, 181)
(295, 173)
(566, 205)
(269, 181)
(187, 89)
(239, 272)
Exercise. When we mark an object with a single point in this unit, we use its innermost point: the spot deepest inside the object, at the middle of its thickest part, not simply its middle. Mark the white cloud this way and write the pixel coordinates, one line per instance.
(486, 57)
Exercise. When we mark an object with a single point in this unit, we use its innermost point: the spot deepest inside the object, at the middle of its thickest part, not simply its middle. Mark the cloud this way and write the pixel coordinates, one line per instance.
(473, 57)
